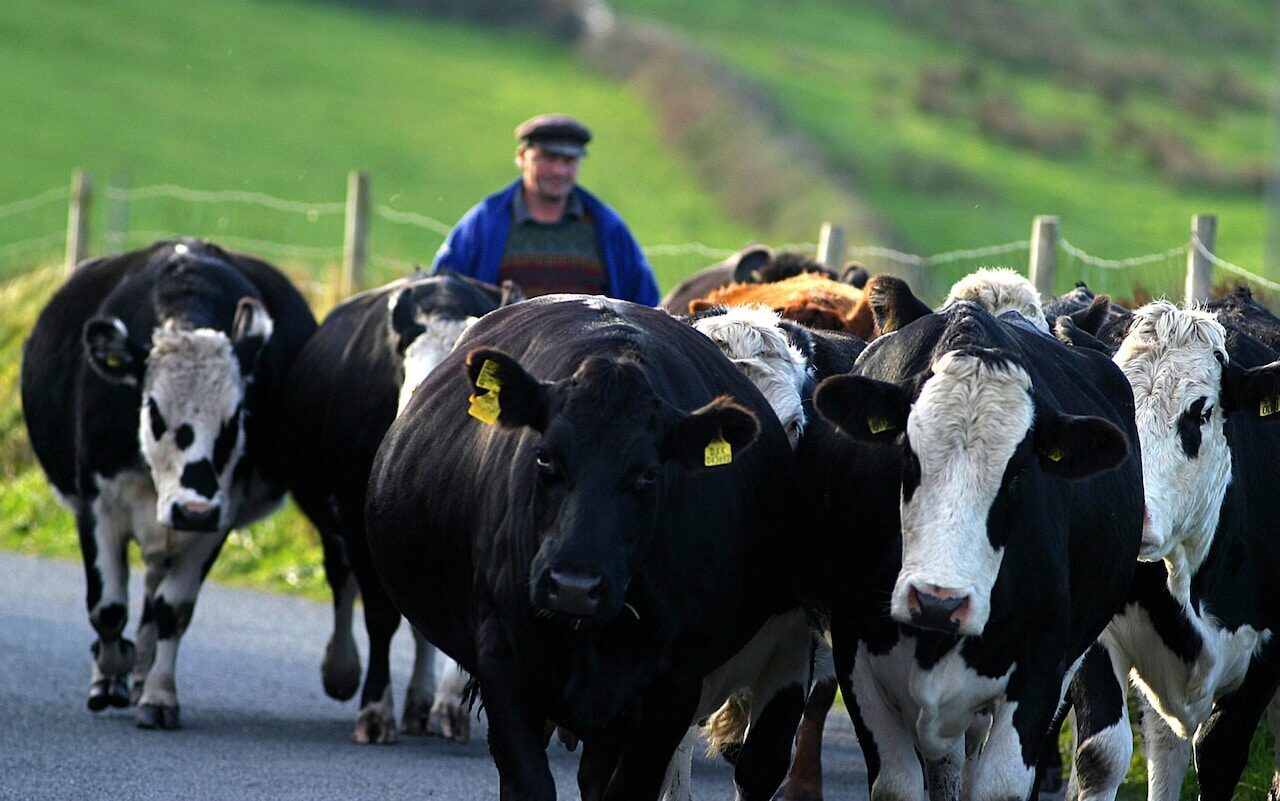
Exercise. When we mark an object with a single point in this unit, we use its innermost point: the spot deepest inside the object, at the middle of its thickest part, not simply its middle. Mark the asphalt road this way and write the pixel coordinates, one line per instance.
(257, 724)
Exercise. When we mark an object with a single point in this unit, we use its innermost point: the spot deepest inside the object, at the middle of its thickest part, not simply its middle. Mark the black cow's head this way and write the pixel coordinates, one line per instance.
(606, 447)
(191, 421)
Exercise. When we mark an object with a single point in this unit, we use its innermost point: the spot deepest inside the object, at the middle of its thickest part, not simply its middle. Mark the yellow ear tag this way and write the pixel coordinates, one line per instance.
(1268, 406)
(486, 407)
(114, 360)
(1055, 455)
(718, 452)
(488, 378)
(878, 424)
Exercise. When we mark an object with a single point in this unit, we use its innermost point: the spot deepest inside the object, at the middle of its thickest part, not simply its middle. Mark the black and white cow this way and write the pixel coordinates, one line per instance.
(355, 375)
(585, 505)
(1197, 631)
(784, 360)
(991, 537)
(149, 386)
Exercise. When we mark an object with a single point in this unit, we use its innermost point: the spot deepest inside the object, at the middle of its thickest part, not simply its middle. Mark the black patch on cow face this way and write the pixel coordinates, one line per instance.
(158, 425)
(1189, 424)
(183, 436)
(201, 477)
(228, 435)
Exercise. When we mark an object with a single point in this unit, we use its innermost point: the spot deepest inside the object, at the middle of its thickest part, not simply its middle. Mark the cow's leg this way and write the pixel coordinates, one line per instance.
(1168, 755)
(777, 702)
(1222, 741)
(945, 777)
(1005, 770)
(173, 605)
(420, 695)
(804, 781)
(599, 760)
(156, 566)
(666, 710)
(102, 546)
(1100, 725)
(677, 785)
(450, 715)
(517, 728)
(340, 668)
(892, 765)
(1273, 720)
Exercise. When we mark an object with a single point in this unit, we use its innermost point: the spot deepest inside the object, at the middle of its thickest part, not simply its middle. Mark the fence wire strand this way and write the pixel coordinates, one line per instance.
(223, 196)
(1228, 266)
(34, 202)
(1120, 264)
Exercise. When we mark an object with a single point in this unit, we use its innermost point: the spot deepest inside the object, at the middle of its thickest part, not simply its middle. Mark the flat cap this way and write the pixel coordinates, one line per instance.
(556, 133)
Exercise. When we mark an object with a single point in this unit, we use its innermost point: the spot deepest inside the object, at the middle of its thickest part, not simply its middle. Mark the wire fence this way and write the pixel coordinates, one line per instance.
(309, 235)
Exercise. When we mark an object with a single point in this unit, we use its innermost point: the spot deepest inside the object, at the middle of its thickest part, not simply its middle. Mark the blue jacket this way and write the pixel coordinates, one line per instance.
(475, 246)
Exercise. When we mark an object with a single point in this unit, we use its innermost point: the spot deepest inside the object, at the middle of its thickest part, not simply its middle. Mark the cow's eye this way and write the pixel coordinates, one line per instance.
(793, 428)
(647, 478)
(544, 462)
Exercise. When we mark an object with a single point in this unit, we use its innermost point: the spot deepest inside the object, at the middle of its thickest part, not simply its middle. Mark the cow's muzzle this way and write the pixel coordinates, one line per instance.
(195, 516)
(573, 593)
(938, 608)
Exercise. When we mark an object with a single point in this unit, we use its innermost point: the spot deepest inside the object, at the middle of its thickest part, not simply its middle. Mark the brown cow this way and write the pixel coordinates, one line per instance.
(811, 299)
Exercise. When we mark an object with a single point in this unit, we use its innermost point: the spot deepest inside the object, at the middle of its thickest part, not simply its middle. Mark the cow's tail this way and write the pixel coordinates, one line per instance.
(726, 729)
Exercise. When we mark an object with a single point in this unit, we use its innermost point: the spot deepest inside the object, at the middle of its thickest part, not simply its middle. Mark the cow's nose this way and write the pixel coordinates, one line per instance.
(195, 516)
(935, 607)
(573, 593)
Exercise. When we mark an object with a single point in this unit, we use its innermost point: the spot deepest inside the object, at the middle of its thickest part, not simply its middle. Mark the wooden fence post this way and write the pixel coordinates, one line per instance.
(831, 246)
(355, 247)
(78, 217)
(1044, 254)
(1204, 229)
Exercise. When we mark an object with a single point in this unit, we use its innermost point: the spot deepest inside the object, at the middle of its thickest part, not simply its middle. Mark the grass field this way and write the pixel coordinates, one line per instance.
(851, 76)
(285, 97)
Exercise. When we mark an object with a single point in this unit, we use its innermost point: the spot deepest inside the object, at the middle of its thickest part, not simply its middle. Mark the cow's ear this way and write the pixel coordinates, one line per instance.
(699, 306)
(711, 436)
(1071, 446)
(403, 321)
(1067, 332)
(1255, 390)
(892, 303)
(863, 408)
(111, 353)
(250, 332)
(751, 260)
(1091, 318)
(503, 393)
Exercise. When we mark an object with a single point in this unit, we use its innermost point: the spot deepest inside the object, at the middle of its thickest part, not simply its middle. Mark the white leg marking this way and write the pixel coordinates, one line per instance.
(1168, 755)
(449, 716)
(420, 696)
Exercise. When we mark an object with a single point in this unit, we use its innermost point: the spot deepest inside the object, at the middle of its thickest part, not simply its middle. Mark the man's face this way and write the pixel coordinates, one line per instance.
(549, 175)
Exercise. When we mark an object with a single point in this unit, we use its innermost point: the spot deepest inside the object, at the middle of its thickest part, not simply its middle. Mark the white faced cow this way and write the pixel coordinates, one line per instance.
(1197, 632)
(147, 387)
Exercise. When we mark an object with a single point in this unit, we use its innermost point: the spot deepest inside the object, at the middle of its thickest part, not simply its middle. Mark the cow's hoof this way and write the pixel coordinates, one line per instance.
(450, 721)
(375, 727)
(107, 692)
(155, 716)
(115, 658)
(340, 671)
(417, 715)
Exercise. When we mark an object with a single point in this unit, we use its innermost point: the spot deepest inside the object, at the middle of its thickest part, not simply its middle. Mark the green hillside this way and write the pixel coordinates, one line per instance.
(959, 127)
(286, 97)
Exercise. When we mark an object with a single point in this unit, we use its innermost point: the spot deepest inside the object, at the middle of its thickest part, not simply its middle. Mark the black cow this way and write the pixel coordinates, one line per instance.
(354, 376)
(619, 533)
(149, 387)
(1197, 631)
(990, 539)
(753, 264)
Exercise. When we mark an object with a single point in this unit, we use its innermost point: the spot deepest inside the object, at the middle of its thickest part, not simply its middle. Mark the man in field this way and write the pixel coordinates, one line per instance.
(546, 233)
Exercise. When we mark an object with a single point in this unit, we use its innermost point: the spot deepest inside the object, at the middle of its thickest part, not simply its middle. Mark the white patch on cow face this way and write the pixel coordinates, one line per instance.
(963, 429)
(1171, 358)
(193, 380)
(998, 290)
(427, 350)
(754, 341)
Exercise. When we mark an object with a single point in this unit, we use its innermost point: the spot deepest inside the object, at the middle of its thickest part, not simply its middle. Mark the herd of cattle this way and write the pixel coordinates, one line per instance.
(618, 522)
